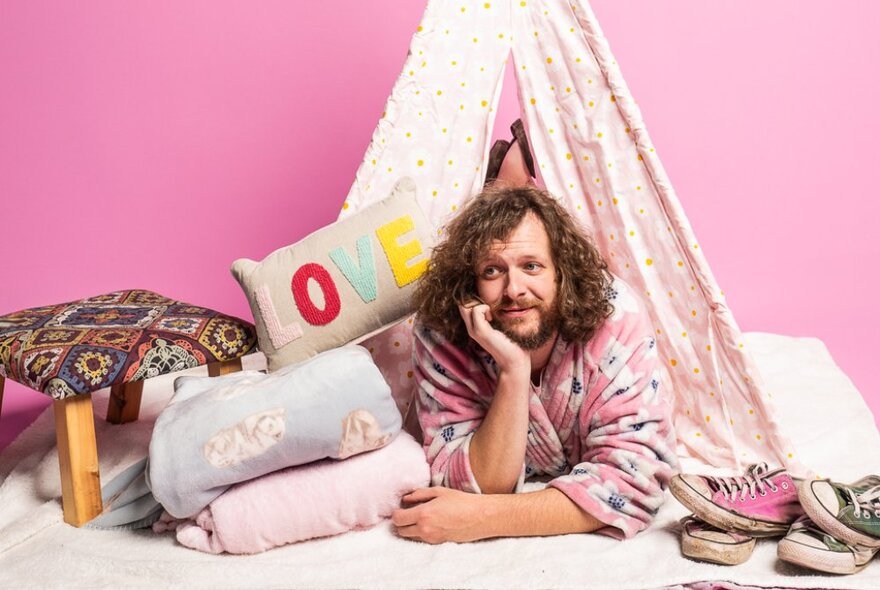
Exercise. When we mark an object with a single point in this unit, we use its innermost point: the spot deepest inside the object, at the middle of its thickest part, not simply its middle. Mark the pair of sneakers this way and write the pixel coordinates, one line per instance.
(729, 513)
(840, 532)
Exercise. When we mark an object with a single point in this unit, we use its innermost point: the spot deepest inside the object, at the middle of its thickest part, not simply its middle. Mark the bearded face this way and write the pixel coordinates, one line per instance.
(528, 322)
(517, 279)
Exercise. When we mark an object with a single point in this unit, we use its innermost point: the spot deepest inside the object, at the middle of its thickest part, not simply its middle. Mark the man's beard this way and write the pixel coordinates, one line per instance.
(548, 323)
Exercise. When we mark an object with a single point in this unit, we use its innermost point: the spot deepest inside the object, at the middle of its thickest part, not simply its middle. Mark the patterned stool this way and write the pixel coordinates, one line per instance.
(115, 340)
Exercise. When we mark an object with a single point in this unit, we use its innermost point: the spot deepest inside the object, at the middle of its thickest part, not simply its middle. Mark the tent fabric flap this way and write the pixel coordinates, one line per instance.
(594, 154)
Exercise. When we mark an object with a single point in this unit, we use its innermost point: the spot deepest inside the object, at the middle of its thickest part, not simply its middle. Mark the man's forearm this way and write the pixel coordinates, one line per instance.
(543, 513)
(498, 448)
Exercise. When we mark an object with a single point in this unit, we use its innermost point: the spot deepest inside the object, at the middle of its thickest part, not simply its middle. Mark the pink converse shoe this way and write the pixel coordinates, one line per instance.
(760, 503)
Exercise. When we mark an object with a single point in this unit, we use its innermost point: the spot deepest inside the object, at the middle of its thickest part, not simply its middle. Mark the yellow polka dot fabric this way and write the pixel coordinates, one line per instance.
(594, 153)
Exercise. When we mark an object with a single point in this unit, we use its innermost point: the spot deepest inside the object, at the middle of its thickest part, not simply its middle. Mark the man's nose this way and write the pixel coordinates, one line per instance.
(515, 287)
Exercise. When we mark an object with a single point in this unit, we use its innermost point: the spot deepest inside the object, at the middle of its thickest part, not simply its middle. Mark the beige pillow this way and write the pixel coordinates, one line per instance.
(342, 283)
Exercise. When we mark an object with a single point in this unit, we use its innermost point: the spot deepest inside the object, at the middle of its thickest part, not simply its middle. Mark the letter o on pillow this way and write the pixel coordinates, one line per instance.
(299, 285)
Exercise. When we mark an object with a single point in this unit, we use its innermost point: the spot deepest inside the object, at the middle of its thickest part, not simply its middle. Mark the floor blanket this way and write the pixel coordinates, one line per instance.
(832, 428)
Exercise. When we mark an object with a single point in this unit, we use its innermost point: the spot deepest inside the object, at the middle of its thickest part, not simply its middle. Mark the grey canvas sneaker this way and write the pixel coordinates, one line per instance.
(848, 512)
(704, 542)
(809, 546)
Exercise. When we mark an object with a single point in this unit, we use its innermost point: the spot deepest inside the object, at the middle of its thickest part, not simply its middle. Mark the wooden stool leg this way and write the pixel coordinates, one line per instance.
(78, 459)
(125, 402)
(217, 369)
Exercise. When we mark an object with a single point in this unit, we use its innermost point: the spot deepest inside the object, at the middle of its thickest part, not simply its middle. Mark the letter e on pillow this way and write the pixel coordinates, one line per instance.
(399, 255)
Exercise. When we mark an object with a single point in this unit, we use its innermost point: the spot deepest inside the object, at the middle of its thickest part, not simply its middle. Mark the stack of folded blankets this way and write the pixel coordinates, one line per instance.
(825, 525)
(250, 461)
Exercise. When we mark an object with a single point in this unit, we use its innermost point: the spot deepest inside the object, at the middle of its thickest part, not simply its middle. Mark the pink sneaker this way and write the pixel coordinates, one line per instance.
(760, 503)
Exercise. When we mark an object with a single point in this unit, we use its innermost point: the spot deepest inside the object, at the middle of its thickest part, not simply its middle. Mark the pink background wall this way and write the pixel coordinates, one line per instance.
(149, 144)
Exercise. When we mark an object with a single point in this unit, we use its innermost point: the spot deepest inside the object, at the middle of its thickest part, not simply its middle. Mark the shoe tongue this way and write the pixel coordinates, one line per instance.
(762, 471)
(805, 525)
(774, 473)
(843, 498)
(834, 543)
(757, 469)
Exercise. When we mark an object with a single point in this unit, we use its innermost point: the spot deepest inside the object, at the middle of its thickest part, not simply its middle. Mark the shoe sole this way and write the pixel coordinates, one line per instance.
(828, 522)
(518, 130)
(831, 562)
(496, 158)
(716, 552)
(705, 510)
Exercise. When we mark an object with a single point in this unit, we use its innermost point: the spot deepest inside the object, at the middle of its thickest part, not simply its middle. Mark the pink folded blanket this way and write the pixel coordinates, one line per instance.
(316, 500)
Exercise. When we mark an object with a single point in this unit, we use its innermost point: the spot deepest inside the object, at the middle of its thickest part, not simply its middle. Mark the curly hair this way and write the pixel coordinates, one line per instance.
(582, 275)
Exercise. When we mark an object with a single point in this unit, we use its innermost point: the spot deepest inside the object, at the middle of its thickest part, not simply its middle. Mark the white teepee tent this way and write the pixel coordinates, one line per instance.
(593, 152)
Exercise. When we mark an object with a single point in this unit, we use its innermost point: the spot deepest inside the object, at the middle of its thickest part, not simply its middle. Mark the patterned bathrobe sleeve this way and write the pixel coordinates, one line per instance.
(627, 439)
(450, 409)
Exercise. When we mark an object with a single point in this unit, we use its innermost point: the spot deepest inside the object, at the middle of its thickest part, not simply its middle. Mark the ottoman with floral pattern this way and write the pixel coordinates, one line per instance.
(116, 340)
(82, 346)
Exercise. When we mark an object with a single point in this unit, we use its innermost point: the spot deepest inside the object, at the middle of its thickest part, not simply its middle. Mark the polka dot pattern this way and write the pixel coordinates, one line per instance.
(596, 156)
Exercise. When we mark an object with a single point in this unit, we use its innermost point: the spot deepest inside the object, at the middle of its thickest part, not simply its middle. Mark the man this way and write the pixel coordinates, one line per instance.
(531, 359)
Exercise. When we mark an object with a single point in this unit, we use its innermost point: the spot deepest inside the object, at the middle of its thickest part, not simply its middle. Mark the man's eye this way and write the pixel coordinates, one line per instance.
(490, 271)
(533, 266)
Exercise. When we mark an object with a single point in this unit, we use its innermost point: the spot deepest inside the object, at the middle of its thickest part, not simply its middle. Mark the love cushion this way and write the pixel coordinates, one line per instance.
(340, 284)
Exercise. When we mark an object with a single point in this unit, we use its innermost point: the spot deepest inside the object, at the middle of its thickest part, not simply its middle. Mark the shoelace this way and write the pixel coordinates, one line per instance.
(756, 476)
(868, 501)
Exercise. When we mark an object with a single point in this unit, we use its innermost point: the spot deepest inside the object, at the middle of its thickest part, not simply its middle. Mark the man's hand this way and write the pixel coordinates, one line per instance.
(444, 515)
(499, 443)
(441, 515)
(509, 356)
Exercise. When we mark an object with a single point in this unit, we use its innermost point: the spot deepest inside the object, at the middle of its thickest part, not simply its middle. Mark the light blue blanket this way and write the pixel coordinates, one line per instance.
(219, 431)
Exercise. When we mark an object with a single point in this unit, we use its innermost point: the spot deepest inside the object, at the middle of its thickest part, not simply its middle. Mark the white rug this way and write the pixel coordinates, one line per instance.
(829, 422)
